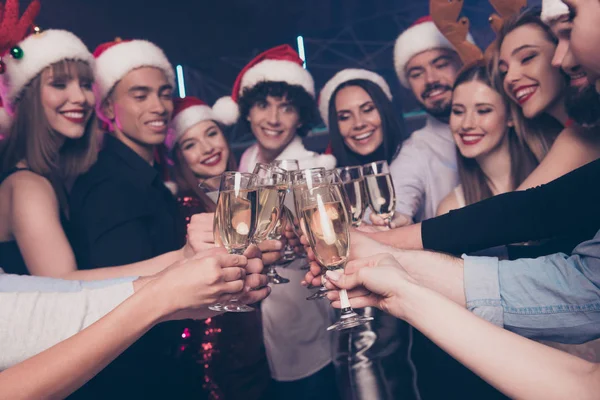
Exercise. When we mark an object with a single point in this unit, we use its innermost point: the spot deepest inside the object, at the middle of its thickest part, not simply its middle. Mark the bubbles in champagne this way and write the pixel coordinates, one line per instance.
(235, 218)
(382, 197)
(327, 230)
(270, 199)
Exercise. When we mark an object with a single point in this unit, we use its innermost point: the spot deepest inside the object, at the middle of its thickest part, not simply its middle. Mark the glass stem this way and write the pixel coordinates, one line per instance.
(345, 302)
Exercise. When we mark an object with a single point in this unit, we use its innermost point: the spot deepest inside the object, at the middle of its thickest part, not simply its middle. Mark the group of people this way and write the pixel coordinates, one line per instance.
(107, 250)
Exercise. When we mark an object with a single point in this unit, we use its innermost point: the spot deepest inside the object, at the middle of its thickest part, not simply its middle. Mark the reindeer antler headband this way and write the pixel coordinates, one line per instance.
(14, 29)
(445, 15)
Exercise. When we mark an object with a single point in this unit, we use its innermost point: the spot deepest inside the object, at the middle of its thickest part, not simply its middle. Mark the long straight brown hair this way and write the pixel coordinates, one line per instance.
(32, 139)
(186, 180)
(475, 183)
(539, 132)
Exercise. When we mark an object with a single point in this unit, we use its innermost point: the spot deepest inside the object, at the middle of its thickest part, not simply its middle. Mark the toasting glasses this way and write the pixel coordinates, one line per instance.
(272, 185)
(302, 181)
(327, 227)
(354, 186)
(380, 188)
(289, 203)
(235, 222)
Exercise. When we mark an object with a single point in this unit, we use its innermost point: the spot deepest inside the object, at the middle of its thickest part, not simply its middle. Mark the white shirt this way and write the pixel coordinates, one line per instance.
(294, 329)
(33, 321)
(425, 172)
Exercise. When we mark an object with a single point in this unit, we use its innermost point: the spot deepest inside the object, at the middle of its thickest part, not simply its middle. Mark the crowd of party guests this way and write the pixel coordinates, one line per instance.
(108, 260)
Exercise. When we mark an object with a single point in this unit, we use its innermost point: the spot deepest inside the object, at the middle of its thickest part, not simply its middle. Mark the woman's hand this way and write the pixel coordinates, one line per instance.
(200, 235)
(397, 221)
(376, 281)
(271, 251)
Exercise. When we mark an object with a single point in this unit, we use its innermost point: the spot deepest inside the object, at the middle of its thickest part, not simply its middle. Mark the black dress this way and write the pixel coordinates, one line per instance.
(11, 259)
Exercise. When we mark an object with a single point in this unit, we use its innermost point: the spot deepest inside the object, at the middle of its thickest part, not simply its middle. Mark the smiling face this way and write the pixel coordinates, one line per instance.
(359, 121)
(585, 35)
(581, 100)
(141, 105)
(529, 78)
(204, 149)
(431, 75)
(67, 99)
(563, 57)
(479, 119)
(273, 122)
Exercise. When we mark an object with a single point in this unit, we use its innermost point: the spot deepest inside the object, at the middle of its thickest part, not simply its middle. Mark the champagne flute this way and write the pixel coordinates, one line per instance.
(327, 226)
(354, 185)
(301, 182)
(380, 188)
(211, 186)
(289, 202)
(272, 185)
(235, 222)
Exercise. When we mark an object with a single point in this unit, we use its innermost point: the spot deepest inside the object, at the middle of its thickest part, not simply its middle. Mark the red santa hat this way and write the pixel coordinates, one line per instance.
(342, 77)
(279, 64)
(553, 9)
(23, 55)
(421, 36)
(116, 59)
(188, 112)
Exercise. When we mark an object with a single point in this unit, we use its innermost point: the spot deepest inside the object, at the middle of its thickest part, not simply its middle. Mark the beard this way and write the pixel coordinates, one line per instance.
(583, 106)
(441, 109)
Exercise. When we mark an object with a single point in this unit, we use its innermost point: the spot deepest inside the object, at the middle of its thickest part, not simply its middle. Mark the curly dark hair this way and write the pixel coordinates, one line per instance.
(295, 94)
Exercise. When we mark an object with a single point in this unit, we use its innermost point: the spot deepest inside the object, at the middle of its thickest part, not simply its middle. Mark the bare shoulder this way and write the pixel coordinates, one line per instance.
(448, 204)
(28, 188)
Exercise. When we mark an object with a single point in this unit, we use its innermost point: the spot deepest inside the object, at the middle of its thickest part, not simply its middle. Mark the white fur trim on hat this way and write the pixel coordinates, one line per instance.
(115, 62)
(39, 51)
(417, 39)
(189, 117)
(343, 76)
(278, 71)
(553, 9)
(226, 110)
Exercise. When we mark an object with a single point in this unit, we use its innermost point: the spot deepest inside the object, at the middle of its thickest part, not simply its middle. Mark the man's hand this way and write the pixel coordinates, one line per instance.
(361, 246)
(271, 251)
(200, 235)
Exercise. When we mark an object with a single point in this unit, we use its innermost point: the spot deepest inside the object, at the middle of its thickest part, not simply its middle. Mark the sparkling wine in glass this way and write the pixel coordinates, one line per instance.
(235, 222)
(354, 186)
(380, 189)
(271, 183)
(328, 233)
(289, 166)
(301, 182)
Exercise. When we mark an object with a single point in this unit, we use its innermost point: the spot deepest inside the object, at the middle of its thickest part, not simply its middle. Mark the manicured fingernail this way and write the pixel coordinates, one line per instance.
(303, 283)
(279, 245)
(334, 275)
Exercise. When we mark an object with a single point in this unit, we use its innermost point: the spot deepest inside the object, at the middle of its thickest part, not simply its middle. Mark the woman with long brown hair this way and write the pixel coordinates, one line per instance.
(491, 158)
(228, 348)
